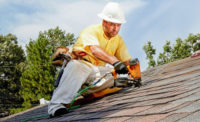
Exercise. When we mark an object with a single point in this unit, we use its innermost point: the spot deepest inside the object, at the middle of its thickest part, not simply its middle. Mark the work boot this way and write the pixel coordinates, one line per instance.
(59, 112)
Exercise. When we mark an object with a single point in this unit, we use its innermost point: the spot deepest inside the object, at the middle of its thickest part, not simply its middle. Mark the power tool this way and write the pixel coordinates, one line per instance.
(132, 78)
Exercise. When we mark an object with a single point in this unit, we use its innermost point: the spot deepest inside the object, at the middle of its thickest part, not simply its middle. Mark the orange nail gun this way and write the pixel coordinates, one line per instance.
(132, 78)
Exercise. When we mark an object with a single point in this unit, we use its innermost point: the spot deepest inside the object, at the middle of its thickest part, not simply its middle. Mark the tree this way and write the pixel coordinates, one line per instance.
(194, 42)
(165, 57)
(150, 51)
(11, 59)
(181, 49)
(37, 80)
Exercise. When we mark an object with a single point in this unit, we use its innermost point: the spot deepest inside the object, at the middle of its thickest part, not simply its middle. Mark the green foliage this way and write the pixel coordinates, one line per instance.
(38, 78)
(11, 66)
(194, 42)
(58, 37)
(16, 110)
(165, 57)
(150, 51)
(181, 49)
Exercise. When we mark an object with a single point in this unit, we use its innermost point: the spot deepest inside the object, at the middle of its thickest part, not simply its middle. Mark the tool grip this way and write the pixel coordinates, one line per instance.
(58, 78)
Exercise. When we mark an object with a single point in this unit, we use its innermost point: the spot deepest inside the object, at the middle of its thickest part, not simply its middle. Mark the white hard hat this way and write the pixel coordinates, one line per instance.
(112, 12)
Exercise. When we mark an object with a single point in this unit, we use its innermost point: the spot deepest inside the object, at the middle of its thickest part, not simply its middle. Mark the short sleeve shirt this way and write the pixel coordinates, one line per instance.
(94, 35)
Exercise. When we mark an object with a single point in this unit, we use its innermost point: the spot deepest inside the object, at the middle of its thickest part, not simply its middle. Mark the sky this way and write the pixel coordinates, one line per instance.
(147, 20)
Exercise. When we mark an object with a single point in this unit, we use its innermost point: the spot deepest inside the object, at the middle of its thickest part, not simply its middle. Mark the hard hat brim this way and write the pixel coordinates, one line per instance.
(102, 16)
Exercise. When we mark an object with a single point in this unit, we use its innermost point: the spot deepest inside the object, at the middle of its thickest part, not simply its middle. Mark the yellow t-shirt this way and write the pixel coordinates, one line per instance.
(94, 35)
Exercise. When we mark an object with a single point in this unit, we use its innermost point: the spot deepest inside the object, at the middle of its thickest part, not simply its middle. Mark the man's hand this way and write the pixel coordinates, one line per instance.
(120, 67)
(59, 50)
(57, 60)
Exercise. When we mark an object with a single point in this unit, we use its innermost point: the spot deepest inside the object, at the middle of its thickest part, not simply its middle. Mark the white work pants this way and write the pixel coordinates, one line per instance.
(75, 74)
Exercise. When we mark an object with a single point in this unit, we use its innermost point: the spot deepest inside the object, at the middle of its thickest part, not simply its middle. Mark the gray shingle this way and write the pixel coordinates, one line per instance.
(170, 92)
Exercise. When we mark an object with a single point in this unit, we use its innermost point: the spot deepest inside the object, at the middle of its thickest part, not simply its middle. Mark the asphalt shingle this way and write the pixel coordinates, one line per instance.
(169, 93)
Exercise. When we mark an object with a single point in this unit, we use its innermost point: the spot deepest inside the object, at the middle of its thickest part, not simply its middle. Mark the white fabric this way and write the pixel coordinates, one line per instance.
(74, 76)
(97, 73)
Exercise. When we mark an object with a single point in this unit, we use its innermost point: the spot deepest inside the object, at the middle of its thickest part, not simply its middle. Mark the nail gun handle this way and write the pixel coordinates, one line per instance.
(58, 78)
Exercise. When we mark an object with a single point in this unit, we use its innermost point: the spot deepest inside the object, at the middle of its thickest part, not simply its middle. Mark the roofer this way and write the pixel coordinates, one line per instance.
(97, 45)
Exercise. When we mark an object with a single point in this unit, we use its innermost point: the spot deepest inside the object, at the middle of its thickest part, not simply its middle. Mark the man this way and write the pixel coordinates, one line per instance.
(97, 45)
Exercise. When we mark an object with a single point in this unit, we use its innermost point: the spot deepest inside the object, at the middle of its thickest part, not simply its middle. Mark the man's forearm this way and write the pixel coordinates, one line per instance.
(102, 55)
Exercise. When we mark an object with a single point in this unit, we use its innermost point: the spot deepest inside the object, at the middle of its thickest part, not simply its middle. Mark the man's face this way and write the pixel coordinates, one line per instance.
(111, 29)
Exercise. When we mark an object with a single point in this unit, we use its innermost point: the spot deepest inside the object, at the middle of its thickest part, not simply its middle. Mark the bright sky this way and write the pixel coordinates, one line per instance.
(153, 20)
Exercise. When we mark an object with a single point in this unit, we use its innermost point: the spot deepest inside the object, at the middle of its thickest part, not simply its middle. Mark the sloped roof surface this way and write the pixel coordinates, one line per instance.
(169, 93)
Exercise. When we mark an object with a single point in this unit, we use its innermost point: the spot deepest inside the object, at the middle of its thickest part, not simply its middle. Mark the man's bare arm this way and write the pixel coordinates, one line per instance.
(102, 55)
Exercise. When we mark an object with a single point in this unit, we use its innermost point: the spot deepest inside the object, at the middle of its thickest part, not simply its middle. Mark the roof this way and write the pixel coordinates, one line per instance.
(170, 92)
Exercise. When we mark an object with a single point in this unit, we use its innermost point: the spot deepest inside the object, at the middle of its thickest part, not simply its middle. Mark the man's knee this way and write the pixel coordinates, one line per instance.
(74, 64)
